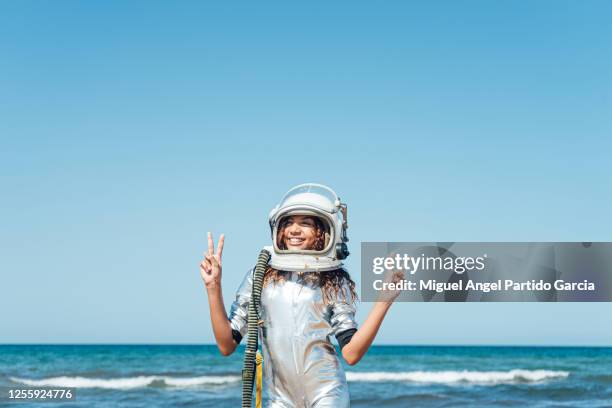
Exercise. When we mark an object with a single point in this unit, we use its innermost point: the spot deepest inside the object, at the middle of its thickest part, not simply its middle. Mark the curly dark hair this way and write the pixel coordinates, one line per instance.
(330, 282)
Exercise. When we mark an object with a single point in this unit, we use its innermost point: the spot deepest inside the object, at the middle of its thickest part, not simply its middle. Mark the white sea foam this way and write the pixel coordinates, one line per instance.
(453, 377)
(441, 377)
(128, 382)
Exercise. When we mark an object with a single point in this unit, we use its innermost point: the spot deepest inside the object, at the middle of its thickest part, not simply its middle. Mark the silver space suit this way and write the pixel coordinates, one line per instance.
(301, 367)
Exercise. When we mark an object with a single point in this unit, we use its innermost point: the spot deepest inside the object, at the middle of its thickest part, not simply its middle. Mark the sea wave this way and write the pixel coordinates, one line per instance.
(440, 377)
(453, 377)
(129, 382)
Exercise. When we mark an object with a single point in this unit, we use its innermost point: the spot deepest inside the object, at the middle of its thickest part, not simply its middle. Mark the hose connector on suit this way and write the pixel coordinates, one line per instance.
(248, 371)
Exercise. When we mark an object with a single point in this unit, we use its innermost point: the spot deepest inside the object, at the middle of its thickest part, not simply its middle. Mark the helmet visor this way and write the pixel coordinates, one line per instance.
(314, 195)
(303, 232)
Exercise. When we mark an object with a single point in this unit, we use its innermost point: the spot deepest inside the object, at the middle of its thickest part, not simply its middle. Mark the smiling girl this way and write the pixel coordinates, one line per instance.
(307, 298)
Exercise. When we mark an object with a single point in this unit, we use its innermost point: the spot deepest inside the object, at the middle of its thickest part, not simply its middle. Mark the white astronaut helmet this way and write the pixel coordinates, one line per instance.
(323, 203)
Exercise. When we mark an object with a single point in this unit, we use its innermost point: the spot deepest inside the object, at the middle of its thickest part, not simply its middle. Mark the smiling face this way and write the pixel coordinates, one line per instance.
(299, 232)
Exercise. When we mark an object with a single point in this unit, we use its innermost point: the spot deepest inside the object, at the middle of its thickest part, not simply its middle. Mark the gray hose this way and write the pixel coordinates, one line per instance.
(248, 371)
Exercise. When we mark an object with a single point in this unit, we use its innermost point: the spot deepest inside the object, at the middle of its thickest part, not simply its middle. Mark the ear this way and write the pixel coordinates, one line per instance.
(326, 241)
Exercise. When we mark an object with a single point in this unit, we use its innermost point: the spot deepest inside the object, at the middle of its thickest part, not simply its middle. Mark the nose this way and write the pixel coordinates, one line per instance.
(294, 229)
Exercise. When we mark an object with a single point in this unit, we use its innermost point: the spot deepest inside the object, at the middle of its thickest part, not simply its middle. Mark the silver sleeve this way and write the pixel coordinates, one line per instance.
(239, 311)
(343, 312)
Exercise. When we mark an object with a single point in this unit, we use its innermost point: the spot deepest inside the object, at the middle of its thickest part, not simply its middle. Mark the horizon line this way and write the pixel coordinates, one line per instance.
(374, 345)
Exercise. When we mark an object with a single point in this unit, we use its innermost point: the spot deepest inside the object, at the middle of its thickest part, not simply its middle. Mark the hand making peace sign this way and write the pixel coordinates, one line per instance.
(210, 268)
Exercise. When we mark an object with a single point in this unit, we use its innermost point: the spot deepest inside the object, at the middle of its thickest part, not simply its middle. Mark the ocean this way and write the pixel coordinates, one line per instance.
(388, 376)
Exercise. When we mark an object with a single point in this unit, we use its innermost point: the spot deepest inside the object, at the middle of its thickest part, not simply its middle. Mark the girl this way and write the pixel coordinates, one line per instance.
(307, 298)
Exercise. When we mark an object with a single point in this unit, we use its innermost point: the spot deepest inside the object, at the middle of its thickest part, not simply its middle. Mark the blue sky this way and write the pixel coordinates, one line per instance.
(130, 129)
